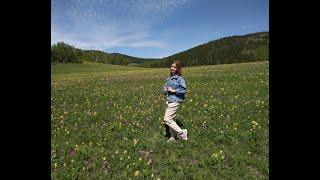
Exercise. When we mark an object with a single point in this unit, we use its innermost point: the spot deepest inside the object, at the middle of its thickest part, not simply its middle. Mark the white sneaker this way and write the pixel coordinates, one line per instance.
(184, 134)
(171, 139)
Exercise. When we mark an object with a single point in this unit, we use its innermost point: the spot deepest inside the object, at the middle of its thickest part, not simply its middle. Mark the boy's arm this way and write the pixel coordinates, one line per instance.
(164, 89)
(182, 86)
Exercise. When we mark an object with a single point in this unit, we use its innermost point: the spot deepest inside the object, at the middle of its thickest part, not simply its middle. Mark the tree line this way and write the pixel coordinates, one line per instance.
(63, 53)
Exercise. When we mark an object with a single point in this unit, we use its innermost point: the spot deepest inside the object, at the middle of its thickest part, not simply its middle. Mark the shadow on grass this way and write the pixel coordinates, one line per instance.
(180, 124)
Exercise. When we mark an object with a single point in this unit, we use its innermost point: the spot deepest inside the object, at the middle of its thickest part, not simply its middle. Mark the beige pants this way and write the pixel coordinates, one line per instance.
(169, 118)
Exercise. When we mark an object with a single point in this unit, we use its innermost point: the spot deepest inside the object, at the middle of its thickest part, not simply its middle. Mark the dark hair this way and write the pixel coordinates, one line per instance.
(178, 65)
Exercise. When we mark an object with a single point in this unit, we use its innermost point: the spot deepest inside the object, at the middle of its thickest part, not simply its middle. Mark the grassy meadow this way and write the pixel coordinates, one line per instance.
(106, 123)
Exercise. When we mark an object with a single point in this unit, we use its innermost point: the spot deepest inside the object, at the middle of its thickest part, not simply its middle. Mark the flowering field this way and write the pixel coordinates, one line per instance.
(106, 123)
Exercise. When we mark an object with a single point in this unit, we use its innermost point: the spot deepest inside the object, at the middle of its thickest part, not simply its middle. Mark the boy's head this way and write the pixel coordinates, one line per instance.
(176, 68)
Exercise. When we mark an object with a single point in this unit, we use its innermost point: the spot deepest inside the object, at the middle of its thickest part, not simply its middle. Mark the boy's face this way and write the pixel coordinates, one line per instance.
(173, 68)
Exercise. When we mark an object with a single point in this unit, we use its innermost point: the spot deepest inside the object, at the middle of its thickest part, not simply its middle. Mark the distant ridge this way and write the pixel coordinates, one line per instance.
(234, 49)
(227, 50)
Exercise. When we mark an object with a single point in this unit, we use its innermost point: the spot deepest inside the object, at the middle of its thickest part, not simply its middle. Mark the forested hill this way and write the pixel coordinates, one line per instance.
(64, 53)
(234, 49)
(132, 59)
(113, 58)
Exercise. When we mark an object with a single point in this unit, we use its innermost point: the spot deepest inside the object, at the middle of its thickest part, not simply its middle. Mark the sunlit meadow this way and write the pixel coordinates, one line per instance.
(106, 123)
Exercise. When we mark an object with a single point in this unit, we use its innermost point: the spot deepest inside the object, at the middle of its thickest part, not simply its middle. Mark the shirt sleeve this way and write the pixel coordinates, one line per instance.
(182, 86)
(163, 88)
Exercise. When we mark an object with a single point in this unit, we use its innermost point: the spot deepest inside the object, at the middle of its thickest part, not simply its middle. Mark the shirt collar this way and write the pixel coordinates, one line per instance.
(175, 76)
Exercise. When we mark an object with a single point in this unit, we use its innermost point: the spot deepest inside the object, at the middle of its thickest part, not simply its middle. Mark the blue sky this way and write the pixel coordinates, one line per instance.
(153, 28)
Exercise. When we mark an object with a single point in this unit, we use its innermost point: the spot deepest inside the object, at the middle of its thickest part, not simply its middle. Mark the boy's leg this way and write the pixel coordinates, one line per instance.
(169, 115)
(173, 133)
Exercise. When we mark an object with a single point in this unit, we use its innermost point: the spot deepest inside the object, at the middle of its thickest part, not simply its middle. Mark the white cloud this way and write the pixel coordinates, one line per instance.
(158, 44)
(101, 24)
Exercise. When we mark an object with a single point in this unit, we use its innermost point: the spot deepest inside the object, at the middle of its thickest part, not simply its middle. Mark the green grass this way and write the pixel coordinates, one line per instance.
(106, 122)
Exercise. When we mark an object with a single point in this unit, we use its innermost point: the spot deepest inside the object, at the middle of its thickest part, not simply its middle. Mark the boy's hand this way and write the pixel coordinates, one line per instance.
(165, 88)
(171, 90)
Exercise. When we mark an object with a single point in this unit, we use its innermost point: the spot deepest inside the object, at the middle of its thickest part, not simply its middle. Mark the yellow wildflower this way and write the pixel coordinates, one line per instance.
(135, 142)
